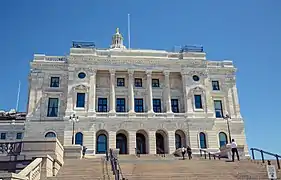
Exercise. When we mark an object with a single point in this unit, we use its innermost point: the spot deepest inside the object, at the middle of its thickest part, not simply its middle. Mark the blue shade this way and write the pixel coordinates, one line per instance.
(218, 108)
(55, 82)
(121, 143)
(138, 105)
(178, 141)
(138, 82)
(81, 75)
(79, 138)
(50, 135)
(216, 85)
(222, 139)
(101, 144)
(80, 102)
(3, 136)
(120, 82)
(140, 143)
(157, 105)
(198, 101)
(53, 106)
(102, 104)
(202, 139)
(175, 105)
(155, 83)
(19, 136)
(120, 105)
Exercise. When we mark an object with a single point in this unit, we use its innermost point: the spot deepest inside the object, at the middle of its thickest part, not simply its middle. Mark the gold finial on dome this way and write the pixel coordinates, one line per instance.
(117, 30)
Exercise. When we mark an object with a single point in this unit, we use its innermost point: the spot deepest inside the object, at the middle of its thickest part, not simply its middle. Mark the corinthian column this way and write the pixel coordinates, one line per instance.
(112, 93)
(131, 93)
(184, 91)
(149, 92)
(92, 95)
(168, 93)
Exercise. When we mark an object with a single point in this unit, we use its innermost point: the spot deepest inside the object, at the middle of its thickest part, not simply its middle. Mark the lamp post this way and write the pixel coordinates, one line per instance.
(227, 117)
(74, 119)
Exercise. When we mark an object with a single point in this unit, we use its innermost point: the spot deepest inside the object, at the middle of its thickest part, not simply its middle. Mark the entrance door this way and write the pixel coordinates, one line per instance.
(141, 146)
(160, 148)
(121, 143)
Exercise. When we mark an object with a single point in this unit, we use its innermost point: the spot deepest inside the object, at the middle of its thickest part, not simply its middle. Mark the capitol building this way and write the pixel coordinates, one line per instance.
(152, 101)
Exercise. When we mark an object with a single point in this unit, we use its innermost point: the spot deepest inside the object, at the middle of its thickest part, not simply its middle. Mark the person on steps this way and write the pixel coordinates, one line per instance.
(189, 152)
(234, 150)
(183, 152)
(84, 151)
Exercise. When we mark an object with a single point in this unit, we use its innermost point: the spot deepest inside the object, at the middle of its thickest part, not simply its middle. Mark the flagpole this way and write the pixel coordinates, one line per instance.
(129, 32)
(18, 97)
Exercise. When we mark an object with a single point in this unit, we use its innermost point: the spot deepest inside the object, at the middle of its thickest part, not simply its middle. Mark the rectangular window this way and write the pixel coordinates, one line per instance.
(157, 105)
(138, 105)
(80, 101)
(53, 106)
(155, 83)
(102, 105)
(121, 82)
(175, 105)
(218, 108)
(216, 85)
(55, 82)
(198, 101)
(138, 82)
(3, 136)
(120, 105)
(19, 135)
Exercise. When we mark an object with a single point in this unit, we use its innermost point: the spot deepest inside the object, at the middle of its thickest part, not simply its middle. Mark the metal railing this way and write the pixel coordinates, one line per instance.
(160, 152)
(265, 152)
(206, 153)
(115, 166)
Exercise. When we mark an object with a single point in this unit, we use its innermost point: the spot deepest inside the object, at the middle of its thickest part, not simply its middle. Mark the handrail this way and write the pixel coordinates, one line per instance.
(162, 152)
(209, 154)
(115, 166)
(266, 152)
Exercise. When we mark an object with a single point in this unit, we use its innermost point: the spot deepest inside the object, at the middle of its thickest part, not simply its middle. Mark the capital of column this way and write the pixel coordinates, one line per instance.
(131, 72)
(93, 72)
(148, 72)
(112, 72)
(166, 73)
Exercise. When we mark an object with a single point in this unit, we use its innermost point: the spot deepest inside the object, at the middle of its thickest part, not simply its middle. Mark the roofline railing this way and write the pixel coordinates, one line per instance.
(266, 152)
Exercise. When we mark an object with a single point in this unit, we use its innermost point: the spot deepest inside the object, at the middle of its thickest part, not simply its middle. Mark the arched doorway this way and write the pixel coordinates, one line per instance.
(141, 143)
(101, 144)
(222, 139)
(121, 143)
(161, 142)
(203, 142)
(180, 139)
(79, 138)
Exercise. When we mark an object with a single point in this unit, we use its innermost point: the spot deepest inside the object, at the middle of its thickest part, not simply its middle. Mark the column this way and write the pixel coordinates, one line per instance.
(149, 92)
(152, 142)
(131, 93)
(168, 93)
(92, 95)
(236, 101)
(185, 90)
(112, 92)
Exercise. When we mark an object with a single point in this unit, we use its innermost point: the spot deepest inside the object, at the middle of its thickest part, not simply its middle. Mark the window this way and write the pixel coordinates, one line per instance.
(157, 105)
(53, 106)
(101, 144)
(222, 139)
(138, 82)
(50, 135)
(81, 75)
(3, 136)
(178, 141)
(79, 138)
(175, 105)
(155, 83)
(195, 78)
(19, 135)
(218, 108)
(203, 143)
(80, 101)
(120, 107)
(102, 105)
(198, 101)
(216, 85)
(139, 105)
(120, 82)
(55, 82)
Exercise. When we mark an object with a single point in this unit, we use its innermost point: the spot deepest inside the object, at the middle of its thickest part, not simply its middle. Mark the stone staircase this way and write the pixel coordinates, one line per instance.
(152, 167)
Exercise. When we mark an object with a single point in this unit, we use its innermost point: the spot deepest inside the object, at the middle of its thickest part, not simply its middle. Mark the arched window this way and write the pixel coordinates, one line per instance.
(203, 143)
(222, 139)
(79, 138)
(101, 144)
(50, 135)
(178, 141)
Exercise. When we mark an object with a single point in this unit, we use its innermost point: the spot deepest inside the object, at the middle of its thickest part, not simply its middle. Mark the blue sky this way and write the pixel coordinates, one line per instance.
(247, 32)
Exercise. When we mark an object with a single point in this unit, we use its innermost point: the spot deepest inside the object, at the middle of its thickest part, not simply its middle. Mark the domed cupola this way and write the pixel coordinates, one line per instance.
(117, 41)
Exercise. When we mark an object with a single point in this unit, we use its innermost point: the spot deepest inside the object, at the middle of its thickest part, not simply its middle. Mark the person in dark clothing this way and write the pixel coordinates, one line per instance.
(234, 150)
(84, 151)
(183, 151)
(189, 152)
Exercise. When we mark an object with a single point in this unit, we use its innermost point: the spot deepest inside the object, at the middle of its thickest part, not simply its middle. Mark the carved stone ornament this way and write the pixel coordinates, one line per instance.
(81, 87)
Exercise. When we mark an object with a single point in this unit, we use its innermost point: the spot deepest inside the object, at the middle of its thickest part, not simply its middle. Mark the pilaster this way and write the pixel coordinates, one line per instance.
(168, 94)
(92, 95)
(152, 142)
(112, 111)
(112, 140)
(132, 142)
(149, 94)
(171, 142)
(131, 93)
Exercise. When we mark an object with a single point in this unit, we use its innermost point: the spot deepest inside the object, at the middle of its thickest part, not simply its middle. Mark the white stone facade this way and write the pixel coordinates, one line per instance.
(102, 67)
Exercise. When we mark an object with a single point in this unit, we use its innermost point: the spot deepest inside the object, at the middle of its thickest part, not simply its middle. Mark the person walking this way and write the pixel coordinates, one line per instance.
(234, 150)
(189, 152)
(183, 150)
(84, 151)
